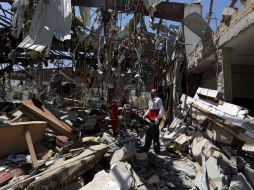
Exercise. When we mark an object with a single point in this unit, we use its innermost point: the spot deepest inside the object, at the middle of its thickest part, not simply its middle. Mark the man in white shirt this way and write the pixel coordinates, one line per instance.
(154, 114)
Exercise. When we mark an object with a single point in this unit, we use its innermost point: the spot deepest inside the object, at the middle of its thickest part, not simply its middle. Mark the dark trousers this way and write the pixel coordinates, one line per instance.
(152, 134)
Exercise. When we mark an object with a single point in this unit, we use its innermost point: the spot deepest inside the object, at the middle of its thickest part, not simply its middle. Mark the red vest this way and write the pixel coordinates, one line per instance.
(153, 113)
(113, 112)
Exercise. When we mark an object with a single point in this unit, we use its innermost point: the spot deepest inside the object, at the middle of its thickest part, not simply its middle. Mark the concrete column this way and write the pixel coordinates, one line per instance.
(224, 73)
(177, 88)
(227, 74)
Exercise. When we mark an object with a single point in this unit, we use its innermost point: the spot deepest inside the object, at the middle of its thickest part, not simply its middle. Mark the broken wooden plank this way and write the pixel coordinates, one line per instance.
(30, 109)
(15, 132)
(63, 172)
(31, 148)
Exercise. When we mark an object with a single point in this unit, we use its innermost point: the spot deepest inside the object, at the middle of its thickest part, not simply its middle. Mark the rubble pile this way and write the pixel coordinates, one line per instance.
(218, 136)
(126, 94)
(203, 148)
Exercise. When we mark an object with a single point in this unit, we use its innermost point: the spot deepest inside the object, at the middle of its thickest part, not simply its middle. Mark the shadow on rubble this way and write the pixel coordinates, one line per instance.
(160, 172)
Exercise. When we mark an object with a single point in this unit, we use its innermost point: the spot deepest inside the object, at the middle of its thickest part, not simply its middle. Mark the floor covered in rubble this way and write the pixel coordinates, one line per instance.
(86, 84)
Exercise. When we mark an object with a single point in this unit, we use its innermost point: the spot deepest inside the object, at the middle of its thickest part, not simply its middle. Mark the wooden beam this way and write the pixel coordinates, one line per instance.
(31, 148)
(165, 10)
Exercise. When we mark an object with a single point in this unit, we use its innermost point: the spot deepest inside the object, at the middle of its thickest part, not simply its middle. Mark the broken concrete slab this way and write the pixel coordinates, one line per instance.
(223, 113)
(186, 166)
(138, 183)
(248, 146)
(210, 149)
(121, 173)
(215, 173)
(239, 182)
(249, 174)
(220, 135)
(102, 180)
(197, 24)
(106, 138)
(209, 94)
(125, 153)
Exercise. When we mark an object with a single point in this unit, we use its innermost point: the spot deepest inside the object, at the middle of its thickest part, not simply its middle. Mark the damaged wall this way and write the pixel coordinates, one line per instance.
(243, 79)
(208, 79)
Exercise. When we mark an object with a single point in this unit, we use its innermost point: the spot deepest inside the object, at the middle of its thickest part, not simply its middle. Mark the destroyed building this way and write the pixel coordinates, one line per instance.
(79, 79)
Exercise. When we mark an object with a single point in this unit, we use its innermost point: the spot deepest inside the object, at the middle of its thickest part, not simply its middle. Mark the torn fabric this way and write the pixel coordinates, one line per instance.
(85, 15)
(50, 18)
(18, 18)
(150, 5)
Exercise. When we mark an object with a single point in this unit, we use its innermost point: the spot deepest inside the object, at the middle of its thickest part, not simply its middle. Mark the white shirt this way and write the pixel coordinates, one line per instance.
(155, 103)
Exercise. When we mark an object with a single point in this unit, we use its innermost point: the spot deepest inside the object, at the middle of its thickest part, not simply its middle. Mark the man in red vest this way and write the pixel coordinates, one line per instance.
(154, 114)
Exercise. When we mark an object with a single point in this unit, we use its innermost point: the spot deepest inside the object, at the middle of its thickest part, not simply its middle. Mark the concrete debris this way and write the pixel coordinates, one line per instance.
(248, 172)
(186, 166)
(201, 180)
(125, 153)
(121, 173)
(76, 82)
(196, 23)
(106, 138)
(141, 160)
(102, 180)
(239, 182)
(233, 120)
(4, 119)
(220, 135)
(154, 179)
(209, 148)
(216, 173)
(208, 93)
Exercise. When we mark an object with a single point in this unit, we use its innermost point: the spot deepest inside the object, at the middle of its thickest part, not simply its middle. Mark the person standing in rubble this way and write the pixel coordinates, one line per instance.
(114, 117)
(154, 114)
(126, 112)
